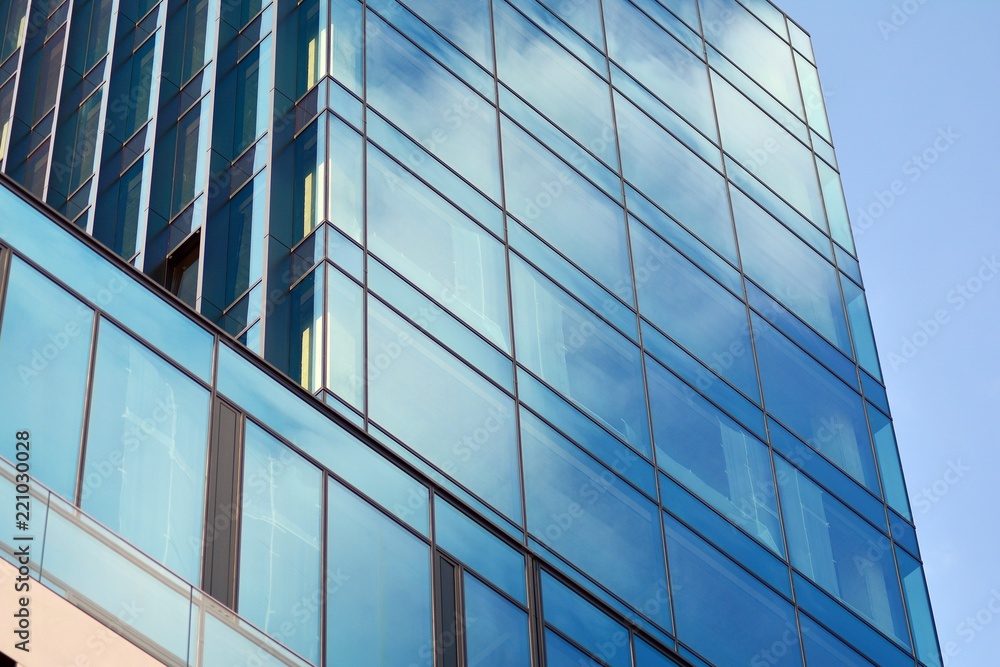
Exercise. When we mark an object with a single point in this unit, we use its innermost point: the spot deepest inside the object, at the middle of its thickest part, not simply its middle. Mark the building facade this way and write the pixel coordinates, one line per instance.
(427, 332)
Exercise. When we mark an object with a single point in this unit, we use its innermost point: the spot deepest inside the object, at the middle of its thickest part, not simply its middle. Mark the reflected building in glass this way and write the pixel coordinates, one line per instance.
(441, 333)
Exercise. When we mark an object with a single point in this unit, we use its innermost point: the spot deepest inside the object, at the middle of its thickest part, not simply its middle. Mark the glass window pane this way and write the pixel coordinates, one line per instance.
(579, 355)
(657, 60)
(713, 456)
(554, 82)
(694, 310)
(433, 106)
(496, 631)
(787, 268)
(378, 588)
(562, 207)
(824, 649)
(585, 624)
(581, 510)
(147, 439)
(674, 178)
(434, 245)
(747, 41)
(919, 606)
(839, 551)
(347, 199)
(560, 653)
(44, 354)
(713, 598)
(769, 151)
(280, 535)
(345, 321)
(814, 404)
(442, 409)
(467, 24)
(888, 461)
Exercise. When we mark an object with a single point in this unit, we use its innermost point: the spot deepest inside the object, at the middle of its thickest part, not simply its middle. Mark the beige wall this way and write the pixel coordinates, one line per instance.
(61, 634)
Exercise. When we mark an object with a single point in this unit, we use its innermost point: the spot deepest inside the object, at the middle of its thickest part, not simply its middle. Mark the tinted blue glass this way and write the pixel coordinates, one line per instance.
(566, 210)
(694, 310)
(725, 536)
(441, 324)
(579, 355)
(836, 206)
(875, 392)
(103, 285)
(379, 598)
(572, 279)
(303, 425)
(444, 253)
(147, 438)
(904, 533)
(595, 520)
(815, 405)
(788, 269)
(839, 551)
(823, 649)
(692, 372)
(685, 9)
(586, 433)
(919, 607)
(713, 456)
(43, 365)
(345, 338)
(714, 598)
(559, 30)
(479, 549)
(748, 42)
(442, 409)
(674, 178)
(554, 82)
(888, 461)
(861, 327)
(855, 632)
(588, 626)
(560, 653)
(584, 15)
(467, 24)
(659, 61)
(827, 474)
(647, 656)
(432, 105)
(280, 534)
(496, 631)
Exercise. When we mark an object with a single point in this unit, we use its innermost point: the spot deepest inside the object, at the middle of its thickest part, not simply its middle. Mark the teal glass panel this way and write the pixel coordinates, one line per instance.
(843, 554)
(579, 355)
(712, 455)
(554, 82)
(379, 592)
(281, 529)
(814, 404)
(147, 438)
(824, 649)
(345, 338)
(861, 327)
(769, 151)
(479, 549)
(433, 106)
(566, 210)
(434, 245)
(747, 42)
(658, 61)
(716, 599)
(889, 465)
(674, 178)
(442, 409)
(592, 518)
(584, 623)
(919, 607)
(496, 630)
(467, 24)
(44, 355)
(836, 206)
(791, 272)
(694, 310)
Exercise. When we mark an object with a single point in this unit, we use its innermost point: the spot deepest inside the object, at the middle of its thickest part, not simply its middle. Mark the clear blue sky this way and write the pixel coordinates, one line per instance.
(929, 255)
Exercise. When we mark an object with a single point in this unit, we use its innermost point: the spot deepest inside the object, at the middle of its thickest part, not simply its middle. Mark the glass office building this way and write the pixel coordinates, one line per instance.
(444, 333)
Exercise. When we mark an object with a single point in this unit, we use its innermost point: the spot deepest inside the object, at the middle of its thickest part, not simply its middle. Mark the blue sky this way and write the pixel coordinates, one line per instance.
(912, 91)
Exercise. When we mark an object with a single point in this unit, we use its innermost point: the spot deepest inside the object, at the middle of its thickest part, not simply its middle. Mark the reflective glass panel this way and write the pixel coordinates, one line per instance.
(378, 588)
(496, 631)
(842, 553)
(147, 439)
(442, 409)
(280, 534)
(43, 366)
(465, 23)
(579, 355)
(584, 512)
